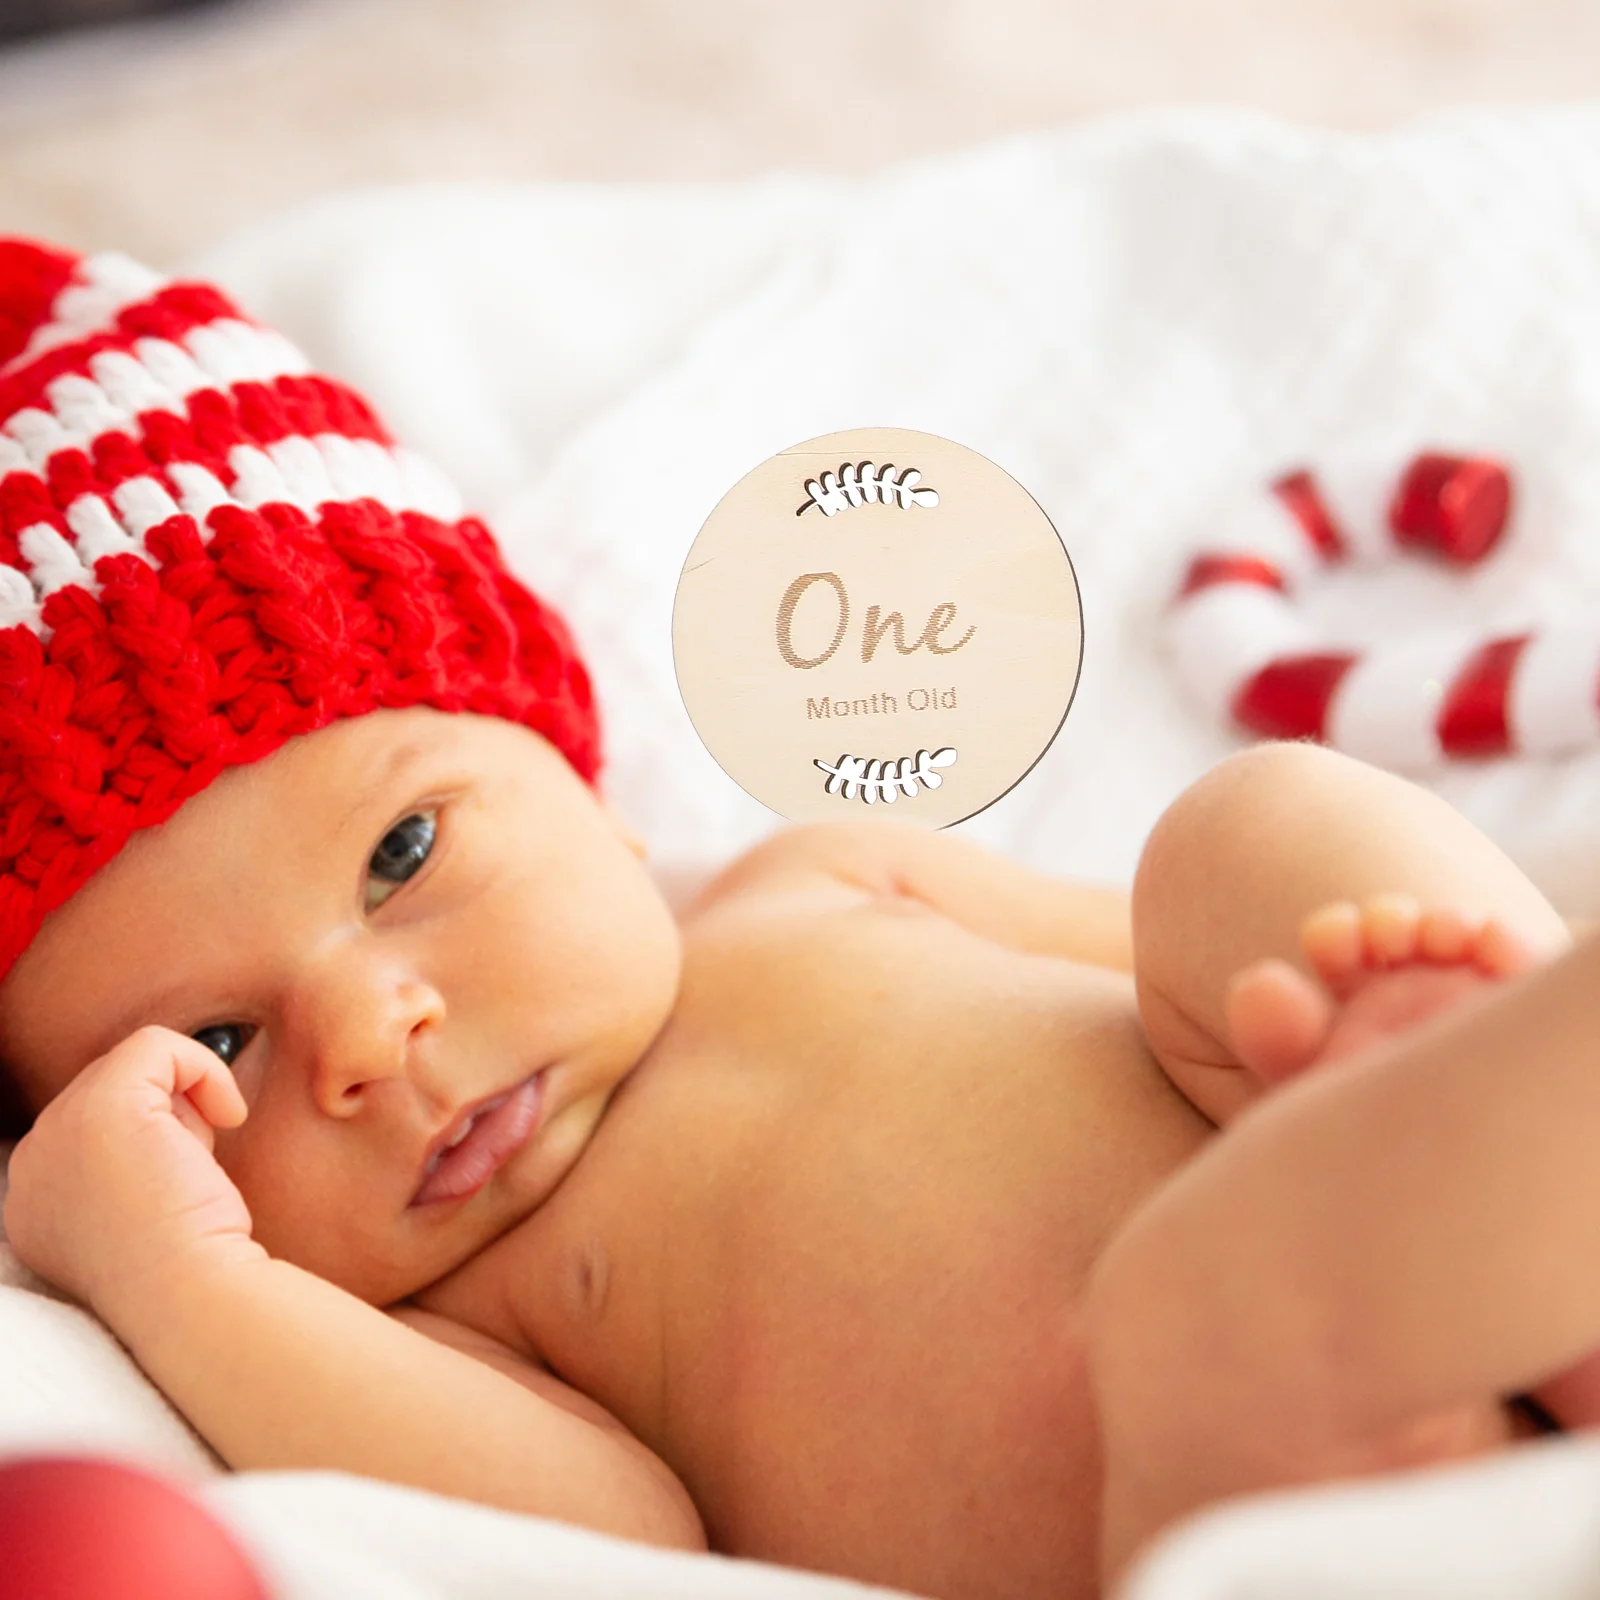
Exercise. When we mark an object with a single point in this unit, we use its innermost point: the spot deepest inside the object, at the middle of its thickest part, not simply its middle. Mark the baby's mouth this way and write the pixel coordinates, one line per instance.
(481, 1144)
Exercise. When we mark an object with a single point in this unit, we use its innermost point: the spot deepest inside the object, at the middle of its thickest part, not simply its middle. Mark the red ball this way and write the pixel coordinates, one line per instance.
(76, 1528)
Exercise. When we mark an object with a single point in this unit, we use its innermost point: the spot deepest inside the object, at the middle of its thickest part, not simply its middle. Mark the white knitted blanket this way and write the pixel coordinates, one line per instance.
(1140, 320)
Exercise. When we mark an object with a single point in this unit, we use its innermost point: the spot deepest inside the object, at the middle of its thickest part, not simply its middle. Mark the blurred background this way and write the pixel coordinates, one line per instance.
(159, 128)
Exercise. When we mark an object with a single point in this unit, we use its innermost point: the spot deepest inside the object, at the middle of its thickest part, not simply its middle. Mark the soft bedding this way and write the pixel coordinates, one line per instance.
(1142, 320)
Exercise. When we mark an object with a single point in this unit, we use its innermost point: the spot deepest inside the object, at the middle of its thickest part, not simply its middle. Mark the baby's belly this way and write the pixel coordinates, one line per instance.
(899, 1394)
(843, 1264)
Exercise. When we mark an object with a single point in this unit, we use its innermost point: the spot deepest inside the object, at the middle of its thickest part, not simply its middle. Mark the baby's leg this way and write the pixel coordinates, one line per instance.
(1385, 967)
(1378, 1246)
(1242, 857)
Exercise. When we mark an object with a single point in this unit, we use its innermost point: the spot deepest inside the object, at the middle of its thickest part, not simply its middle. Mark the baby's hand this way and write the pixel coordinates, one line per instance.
(115, 1187)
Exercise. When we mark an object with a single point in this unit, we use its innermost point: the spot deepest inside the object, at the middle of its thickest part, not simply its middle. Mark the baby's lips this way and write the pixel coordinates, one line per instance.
(499, 1127)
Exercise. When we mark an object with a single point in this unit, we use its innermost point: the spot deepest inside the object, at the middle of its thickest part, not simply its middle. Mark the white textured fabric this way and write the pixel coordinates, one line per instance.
(1142, 320)
(1524, 1526)
(329, 1536)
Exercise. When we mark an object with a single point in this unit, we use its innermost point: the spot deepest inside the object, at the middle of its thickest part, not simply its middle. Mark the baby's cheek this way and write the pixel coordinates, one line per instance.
(285, 1188)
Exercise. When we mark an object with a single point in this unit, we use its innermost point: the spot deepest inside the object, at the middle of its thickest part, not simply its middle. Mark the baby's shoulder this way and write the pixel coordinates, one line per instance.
(826, 864)
(520, 1366)
(467, 1339)
(853, 853)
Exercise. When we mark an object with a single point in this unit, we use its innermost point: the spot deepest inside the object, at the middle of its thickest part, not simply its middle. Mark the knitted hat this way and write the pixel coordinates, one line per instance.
(206, 549)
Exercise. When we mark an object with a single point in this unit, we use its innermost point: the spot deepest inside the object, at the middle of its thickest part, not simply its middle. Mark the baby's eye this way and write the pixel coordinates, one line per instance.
(227, 1039)
(399, 856)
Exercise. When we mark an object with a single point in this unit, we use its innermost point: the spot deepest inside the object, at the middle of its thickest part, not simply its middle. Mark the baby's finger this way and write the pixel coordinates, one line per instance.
(207, 1084)
(185, 1112)
(182, 1070)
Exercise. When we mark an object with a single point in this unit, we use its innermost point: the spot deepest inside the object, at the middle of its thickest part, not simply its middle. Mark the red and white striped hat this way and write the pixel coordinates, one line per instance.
(206, 549)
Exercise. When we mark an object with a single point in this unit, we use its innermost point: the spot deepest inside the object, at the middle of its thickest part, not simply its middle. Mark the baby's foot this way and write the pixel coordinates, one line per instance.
(1386, 966)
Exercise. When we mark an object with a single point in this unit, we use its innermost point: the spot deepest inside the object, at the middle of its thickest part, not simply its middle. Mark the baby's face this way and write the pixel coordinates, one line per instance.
(380, 926)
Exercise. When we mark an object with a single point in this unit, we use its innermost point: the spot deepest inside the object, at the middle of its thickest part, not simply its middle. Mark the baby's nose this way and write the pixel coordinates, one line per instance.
(365, 1019)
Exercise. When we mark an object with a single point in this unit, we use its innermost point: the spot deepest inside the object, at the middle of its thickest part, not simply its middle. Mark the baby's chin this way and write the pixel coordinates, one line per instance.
(460, 1236)
(386, 1266)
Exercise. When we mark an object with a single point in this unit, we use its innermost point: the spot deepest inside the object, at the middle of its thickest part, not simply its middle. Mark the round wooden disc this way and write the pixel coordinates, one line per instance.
(883, 614)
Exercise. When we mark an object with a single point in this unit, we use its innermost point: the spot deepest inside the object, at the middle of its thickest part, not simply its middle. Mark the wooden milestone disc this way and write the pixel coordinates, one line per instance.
(877, 620)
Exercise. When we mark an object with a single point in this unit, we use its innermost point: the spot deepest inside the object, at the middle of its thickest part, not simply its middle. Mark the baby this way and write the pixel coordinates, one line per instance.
(870, 1216)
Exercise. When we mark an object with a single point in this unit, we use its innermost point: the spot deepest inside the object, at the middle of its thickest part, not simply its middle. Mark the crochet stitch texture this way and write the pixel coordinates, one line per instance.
(205, 550)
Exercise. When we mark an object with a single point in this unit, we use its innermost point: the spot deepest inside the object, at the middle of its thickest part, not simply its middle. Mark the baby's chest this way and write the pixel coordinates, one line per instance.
(851, 1367)
(842, 1249)
(844, 1106)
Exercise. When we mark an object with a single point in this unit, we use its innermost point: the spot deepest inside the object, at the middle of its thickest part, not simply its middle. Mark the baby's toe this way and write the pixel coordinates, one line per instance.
(1499, 952)
(1390, 923)
(1446, 936)
(1334, 943)
(1277, 1019)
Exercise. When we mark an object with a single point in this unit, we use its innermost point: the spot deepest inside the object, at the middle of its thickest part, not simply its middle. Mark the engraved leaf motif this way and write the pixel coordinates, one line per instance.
(875, 778)
(861, 483)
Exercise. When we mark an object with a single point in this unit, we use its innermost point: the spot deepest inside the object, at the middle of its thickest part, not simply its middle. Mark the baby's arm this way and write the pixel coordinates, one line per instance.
(115, 1196)
(1241, 858)
(1370, 1250)
(281, 1370)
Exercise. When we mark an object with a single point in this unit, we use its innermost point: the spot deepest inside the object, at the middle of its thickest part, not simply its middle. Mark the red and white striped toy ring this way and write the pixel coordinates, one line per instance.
(1243, 647)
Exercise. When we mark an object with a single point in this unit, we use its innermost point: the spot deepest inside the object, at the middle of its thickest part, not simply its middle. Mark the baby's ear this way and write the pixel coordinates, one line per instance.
(624, 829)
